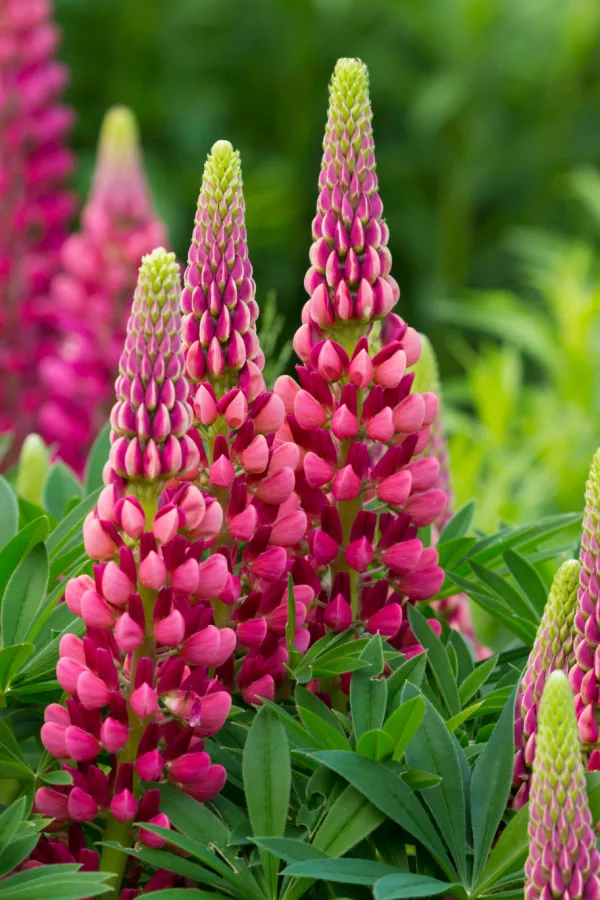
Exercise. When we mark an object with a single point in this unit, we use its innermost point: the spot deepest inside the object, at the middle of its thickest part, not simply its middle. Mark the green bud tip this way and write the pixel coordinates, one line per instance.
(119, 137)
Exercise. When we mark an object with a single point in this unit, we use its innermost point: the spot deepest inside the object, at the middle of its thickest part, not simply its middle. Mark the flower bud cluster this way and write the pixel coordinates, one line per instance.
(553, 649)
(91, 294)
(563, 860)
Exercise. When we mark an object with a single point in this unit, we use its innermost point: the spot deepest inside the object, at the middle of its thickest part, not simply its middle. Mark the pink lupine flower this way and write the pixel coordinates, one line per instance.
(91, 294)
(354, 415)
(140, 695)
(250, 477)
(563, 860)
(223, 355)
(35, 206)
(553, 649)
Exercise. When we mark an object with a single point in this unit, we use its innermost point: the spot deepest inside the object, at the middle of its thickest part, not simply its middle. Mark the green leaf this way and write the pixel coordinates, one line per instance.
(419, 779)
(344, 871)
(349, 821)
(328, 737)
(453, 552)
(433, 748)
(490, 786)
(97, 460)
(17, 851)
(10, 821)
(61, 486)
(305, 700)
(267, 784)
(456, 721)
(529, 580)
(57, 777)
(18, 548)
(407, 885)
(192, 818)
(368, 692)
(503, 589)
(290, 850)
(459, 524)
(412, 670)
(24, 596)
(72, 522)
(437, 659)
(476, 679)
(509, 852)
(385, 790)
(375, 744)
(186, 894)
(403, 724)
(11, 660)
(9, 515)
(525, 630)
(57, 882)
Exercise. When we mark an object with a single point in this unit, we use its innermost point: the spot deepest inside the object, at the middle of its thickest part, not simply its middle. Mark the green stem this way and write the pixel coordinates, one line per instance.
(111, 859)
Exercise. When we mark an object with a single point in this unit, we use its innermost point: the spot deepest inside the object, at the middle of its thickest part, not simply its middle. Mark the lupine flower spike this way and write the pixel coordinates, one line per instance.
(563, 860)
(143, 686)
(361, 429)
(586, 669)
(92, 293)
(553, 649)
(35, 206)
(248, 476)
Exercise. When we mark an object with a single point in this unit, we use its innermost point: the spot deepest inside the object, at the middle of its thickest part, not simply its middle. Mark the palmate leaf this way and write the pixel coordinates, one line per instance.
(385, 790)
(55, 882)
(24, 596)
(9, 520)
(433, 748)
(406, 885)
(343, 871)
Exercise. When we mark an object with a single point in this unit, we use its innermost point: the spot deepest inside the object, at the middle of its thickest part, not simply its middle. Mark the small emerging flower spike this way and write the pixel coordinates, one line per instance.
(553, 649)
(152, 416)
(563, 860)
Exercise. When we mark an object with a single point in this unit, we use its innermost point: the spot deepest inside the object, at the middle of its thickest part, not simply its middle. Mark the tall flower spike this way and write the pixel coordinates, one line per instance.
(91, 294)
(361, 430)
(349, 281)
(552, 649)
(218, 302)
(583, 676)
(35, 206)
(152, 416)
(563, 860)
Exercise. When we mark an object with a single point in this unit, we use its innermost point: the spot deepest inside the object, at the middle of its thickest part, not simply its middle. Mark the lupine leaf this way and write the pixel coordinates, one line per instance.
(437, 659)
(9, 520)
(267, 783)
(24, 596)
(344, 871)
(407, 885)
(490, 786)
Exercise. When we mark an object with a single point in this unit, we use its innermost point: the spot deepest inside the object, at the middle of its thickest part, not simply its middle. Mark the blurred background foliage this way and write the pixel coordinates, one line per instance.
(484, 109)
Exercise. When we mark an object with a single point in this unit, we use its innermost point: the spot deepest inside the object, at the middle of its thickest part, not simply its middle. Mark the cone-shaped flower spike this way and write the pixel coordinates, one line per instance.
(362, 431)
(91, 296)
(563, 860)
(144, 685)
(586, 669)
(218, 302)
(152, 416)
(349, 281)
(553, 649)
(35, 206)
